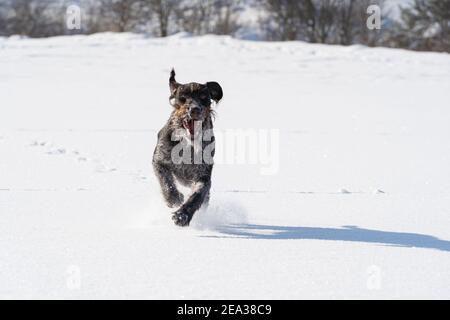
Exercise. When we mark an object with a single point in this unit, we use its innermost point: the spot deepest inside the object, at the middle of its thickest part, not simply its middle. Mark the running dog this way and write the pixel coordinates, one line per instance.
(180, 138)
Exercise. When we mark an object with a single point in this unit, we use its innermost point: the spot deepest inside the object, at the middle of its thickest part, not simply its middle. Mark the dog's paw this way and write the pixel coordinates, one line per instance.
(175, 200)
(181, 218)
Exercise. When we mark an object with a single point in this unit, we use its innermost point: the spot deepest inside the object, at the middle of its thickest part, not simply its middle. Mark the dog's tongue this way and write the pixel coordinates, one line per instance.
(189, 126)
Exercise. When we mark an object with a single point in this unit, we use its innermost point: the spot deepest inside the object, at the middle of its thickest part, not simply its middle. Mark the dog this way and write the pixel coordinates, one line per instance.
(180, 137)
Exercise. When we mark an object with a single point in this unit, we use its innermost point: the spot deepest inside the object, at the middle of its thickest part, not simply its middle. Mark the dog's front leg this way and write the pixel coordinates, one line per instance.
(200, 193)
(172, 196)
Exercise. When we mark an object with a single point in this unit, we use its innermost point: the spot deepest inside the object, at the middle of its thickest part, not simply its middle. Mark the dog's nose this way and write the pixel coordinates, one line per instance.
(195, 111)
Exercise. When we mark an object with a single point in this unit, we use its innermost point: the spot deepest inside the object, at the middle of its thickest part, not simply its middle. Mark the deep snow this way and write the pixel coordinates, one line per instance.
(359, 207)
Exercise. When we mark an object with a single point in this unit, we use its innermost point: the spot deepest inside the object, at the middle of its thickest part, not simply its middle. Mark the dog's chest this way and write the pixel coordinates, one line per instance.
(189, 173)
(188, 160)
(197, 161)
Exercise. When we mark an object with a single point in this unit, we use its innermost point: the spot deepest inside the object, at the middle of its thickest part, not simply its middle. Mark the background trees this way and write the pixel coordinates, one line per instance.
(31, 18)
(425, 26)
(422, 25)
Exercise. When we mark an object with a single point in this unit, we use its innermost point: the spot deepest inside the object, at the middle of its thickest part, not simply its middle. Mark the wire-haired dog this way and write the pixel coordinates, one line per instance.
(181, 138)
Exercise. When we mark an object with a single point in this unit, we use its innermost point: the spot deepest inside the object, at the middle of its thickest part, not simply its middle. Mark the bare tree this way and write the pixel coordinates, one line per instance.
(163, 11)
(225, 16)
(283, 21)
(208, 16)
(323, 13)
(194, 16)
(120, 15)
(426, 25)
(345, 21)
(33, 18)
(3, 19)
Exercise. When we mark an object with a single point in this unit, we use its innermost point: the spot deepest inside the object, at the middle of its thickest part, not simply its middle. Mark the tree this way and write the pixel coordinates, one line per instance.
(426, 25)
(283, 21)
(345, 22)
(225, 20)
(120, 15)
(309, 20)
(3, 19)
(33, 18)
(323, 13)
(194, 16)
(163, 11)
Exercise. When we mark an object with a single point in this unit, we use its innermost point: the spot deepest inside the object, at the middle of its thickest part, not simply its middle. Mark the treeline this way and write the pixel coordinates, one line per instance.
(422, 25)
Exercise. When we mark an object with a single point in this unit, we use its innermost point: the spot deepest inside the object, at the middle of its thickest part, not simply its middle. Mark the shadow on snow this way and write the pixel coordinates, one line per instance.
(346, 233)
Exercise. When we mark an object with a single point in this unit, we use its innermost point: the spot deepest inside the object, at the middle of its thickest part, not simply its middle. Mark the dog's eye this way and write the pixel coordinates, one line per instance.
(182, 99)
(203, 97)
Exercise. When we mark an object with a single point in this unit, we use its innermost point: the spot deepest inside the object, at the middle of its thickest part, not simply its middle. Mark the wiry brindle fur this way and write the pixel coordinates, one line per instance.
(192, 103)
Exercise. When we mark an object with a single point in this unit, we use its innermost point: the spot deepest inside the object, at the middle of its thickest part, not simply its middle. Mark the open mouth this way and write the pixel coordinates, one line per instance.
(189, 125)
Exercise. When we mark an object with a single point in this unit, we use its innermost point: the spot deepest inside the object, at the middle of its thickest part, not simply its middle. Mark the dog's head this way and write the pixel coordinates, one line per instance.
(192, 101)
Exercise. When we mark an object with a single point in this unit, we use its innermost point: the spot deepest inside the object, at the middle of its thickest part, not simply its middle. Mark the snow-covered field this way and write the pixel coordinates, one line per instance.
(358, 208)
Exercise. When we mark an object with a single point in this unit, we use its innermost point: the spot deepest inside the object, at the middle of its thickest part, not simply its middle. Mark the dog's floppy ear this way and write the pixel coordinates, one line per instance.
(215, 90)
(173, 84)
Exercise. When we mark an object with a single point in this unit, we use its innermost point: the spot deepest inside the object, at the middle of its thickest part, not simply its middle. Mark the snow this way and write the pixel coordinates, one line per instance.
(358, 208)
